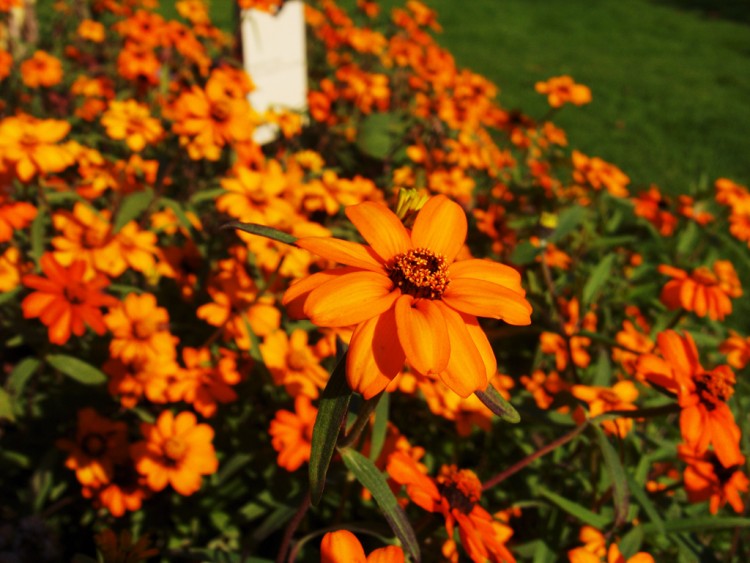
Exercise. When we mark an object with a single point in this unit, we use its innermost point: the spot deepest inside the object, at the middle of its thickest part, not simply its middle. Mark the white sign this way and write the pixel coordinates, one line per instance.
(273, 49)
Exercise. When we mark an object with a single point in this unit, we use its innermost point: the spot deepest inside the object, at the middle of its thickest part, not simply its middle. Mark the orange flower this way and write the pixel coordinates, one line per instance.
(137, 61)
(12, 267)
(595, 549)
(343, 547)
(553, 343)
(31, 145)
(634, 340)
(705, 417)
(409, 299)
(204, 381)
(13, 214)
(702, 292)
(455, 494)
(100, 444)
(140, 329)
(652, 206)
(706, 479)
(64, 302)
(149, 377)
(597, 173)
(561, 90)
(6, 63)
(42, 69)
(293, 364)
(545, 388)
(604, 399)
(91, 31)
(131, 121)
(737, 350)
(291, 433)
(177, 451)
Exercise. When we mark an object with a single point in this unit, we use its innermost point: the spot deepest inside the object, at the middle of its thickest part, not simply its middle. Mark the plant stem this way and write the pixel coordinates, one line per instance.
(363, 417)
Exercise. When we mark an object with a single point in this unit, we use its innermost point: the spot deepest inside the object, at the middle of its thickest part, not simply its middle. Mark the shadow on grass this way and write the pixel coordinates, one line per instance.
(734, 10)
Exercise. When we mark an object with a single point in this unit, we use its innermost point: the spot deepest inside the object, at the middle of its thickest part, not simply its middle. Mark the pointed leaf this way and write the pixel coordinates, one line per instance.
(77, 369)
(131, 208)
(21, 374)
(567, 221)
(598, 278)
(621, 495)
(334, 403)
(379, 427)
(6, 406)
(261, 230)
(374, 481)
(574, 509)
(493, 400)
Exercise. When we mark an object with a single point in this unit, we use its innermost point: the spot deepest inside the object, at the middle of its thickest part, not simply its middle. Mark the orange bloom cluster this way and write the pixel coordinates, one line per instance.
(595, 550)
(343, 547)
(595, 172)
(703, 292)
(561, 90)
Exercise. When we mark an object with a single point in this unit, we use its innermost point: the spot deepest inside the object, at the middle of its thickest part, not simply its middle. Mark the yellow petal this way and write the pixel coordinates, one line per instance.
(350, 299)
(375, 355)
(441, 227)
(486, 299)
(422, 332)
(381, 228)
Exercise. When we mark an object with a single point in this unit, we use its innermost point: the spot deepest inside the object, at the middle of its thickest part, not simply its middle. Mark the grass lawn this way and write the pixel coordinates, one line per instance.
(671, 88)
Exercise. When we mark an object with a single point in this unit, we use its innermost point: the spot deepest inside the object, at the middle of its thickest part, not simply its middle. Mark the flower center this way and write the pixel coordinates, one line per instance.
(296, 360)
(220, 110)
(461, 488)
(704, 276)
(143, 329)
(714, 387)
(94, 445)
(175, 449)
(75, 293)
(420, 273)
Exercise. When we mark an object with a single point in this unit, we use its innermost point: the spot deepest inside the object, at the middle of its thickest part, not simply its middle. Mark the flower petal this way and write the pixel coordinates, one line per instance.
(423, 334)
(465, 372)
(375, 355)
(295, 297)
(487, 270)
(487, 299)
(440, 226)
(350, 299)
(343, 252)
(381, 228)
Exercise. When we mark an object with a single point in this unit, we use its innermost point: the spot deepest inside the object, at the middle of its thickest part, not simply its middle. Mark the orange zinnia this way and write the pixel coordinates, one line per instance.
(455, 494)
(140, 329)
(342, 546)
(705, 417)
(42, 69)
(64, 301)
(706, 479)
(30, 144)
(561, 90)
(132, 122)
(702, 292)
(177, 451)
(409, 299)
(291, 433)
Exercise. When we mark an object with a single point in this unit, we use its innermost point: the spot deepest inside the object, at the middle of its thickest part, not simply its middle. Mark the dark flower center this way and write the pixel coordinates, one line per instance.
(420, 273)
(94, 445)
(461, 488)
(713, 388)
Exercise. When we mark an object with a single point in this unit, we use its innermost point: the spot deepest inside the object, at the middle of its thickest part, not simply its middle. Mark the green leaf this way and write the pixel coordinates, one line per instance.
(234, 464)
(37, 235)
(334, 403)
(9, 295)
(642, 498)
(261, 230)
(21, 373)
(524, 253)
(374, 481)
(77, 369)
(631, 542)
(179, 212)
(621, 495)
(206, 195)
(493, 400)
(6, 406)
(378, 134)
(602, 370)
(568, 220)
(379, 427)
(598, 278)
(699, 524)
(574, 509)
(131, 207)
(280, 516)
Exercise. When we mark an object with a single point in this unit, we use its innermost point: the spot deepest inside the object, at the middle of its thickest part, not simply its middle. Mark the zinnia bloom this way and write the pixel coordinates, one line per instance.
(130, 121)
(140, 329)
(64, 301)
(561, 90)
(30, 144)
(595, 549)
(706, 479)
(455, 494)
(177, 451)
(42, 69)
(408, 298)
(291, 433)
(342, 546)
(702, 292)
(705, 417)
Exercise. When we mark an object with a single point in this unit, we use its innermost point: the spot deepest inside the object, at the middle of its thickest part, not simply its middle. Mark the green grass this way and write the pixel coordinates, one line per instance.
(670, 87)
